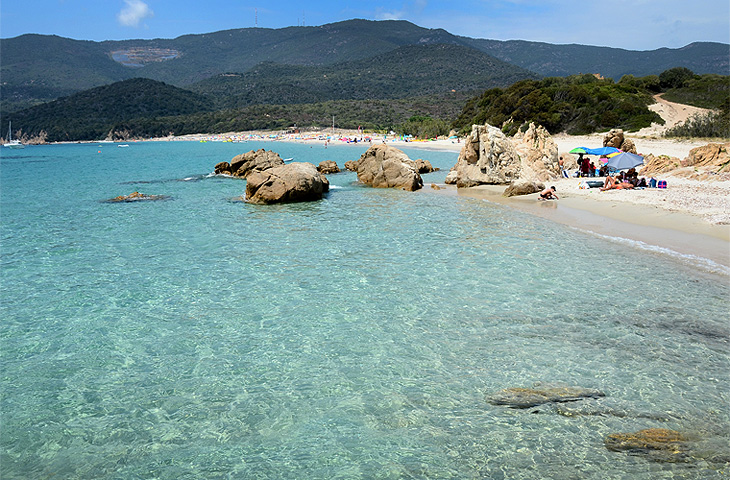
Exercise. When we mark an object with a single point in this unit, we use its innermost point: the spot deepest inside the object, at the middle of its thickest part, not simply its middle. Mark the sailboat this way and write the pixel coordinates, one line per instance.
(12, 143)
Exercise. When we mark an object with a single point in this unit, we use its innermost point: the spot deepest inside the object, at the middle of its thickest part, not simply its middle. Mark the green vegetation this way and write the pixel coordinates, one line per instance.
(410, 71)
(41, 68)
(578, 104)
(705, 91)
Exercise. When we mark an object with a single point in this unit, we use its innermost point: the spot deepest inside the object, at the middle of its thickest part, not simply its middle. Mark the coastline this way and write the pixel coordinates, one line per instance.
(688, 218)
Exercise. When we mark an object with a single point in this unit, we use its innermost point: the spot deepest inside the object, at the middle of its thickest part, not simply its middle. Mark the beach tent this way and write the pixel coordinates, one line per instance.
(625, 160)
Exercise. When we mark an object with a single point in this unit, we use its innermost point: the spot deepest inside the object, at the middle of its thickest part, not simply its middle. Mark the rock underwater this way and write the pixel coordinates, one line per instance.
(136, 197)
(532, 397)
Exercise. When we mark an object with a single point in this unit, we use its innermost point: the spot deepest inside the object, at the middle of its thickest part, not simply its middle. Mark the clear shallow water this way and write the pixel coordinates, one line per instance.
(356, 337)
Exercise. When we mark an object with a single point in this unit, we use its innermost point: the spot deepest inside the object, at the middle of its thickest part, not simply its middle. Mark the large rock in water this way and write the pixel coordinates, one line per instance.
(242, 165)
(660, 443)
(382, 166)
(295, 182)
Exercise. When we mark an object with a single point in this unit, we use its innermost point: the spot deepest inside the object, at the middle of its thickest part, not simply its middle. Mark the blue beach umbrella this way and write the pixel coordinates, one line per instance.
(625, 160)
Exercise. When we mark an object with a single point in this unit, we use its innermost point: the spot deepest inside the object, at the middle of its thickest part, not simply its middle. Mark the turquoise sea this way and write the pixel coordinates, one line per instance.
(352, 338)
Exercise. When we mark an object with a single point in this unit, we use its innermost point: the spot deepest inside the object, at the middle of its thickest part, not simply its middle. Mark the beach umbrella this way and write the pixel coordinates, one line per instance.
(625, 160)
(602, 151)
(579, 150)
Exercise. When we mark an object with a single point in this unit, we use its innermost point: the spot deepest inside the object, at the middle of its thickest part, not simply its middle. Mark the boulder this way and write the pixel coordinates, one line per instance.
(328, 166)
(242, 165)
(523, 188)
(487, 157)
(382, 166)
(539, 155)
(424, 166)
(570, 161)
(351, 165)
(294, 182)
(615, 138)
(531, 397)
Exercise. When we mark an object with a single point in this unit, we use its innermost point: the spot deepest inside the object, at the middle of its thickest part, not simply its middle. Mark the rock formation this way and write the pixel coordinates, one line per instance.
(382, 166)
(615, 138)
(709, 162)
(539, 155)
(531, 397)
(294, 182)
(489, 157)
(242, 165)
(351, 165)
(328, 166)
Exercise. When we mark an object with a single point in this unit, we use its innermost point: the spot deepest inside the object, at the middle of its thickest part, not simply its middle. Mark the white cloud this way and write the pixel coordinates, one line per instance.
(133, 13)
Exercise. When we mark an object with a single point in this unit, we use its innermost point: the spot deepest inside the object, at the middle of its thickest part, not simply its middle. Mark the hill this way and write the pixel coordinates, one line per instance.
(38, 68)
(409, 71)
(92, 114)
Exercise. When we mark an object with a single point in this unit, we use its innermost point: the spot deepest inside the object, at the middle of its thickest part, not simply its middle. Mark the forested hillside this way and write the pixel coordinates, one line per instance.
(39, 68)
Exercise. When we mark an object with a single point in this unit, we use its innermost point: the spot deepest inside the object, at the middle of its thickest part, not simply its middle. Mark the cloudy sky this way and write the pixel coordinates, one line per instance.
(634, 24)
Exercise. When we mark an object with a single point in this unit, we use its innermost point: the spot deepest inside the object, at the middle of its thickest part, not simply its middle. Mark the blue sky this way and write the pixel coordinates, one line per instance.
(630, 24)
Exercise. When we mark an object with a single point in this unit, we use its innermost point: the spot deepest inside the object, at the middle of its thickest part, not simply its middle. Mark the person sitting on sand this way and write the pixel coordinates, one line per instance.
(548, 194)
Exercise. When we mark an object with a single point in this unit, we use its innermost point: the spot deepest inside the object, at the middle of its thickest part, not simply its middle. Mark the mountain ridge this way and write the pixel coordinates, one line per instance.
(37, 68)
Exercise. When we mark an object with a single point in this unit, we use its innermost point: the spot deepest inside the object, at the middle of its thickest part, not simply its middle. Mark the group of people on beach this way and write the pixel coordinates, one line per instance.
(627, 180)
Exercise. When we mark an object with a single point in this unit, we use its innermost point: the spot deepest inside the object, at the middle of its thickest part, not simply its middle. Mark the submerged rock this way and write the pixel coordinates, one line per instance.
(294, 182)
(382, 166)
(660, 443)
(531, 397)
(136, 197)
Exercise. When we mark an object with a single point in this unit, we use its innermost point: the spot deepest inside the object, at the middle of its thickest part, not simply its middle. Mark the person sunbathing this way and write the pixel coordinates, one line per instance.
(612, 183)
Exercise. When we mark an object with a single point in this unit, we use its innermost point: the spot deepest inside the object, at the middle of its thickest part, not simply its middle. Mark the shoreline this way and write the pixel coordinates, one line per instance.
(672, 219)
(648, 227)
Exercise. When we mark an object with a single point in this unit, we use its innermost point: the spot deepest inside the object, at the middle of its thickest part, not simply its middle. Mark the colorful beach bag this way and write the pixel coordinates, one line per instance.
(661, 184)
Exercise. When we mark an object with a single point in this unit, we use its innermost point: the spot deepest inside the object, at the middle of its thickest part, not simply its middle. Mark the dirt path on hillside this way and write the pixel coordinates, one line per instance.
(672, 113)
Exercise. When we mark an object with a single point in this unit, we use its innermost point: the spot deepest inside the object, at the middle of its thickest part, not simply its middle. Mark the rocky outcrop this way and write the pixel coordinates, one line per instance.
(531, 397)
(523, 188)
(242, 165)
(709, 162)
(615, 138)
(294, 182)
(538, 154)
(136, 197)
(351, 165)
(327, 167)
(382, 166)
(489, 157)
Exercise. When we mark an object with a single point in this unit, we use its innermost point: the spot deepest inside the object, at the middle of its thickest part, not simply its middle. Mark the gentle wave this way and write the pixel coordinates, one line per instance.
(702, 263)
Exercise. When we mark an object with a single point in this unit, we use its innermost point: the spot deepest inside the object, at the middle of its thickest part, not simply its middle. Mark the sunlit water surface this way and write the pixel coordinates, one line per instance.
(354, 337)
